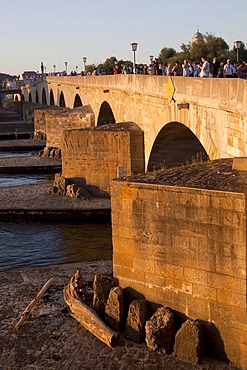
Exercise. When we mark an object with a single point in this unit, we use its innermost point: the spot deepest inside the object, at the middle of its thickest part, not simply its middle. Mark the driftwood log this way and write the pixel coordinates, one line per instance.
(33, 303)
(74, 295)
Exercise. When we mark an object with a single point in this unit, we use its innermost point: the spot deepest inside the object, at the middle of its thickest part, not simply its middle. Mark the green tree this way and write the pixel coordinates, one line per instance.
(210, 46)
(165, 54)
(216, 46)
(107, 67)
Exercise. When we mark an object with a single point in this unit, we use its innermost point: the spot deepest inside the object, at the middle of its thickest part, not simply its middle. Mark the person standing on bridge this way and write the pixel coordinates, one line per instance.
(214, 67)
(205, 68)
(229, 69)
(185, 68)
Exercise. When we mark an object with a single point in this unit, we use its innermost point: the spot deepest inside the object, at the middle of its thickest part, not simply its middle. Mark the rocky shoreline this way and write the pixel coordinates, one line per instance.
(52, 339)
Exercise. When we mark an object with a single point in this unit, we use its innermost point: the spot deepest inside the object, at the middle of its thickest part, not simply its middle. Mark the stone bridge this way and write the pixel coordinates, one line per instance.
(181, 248)
(210, 112)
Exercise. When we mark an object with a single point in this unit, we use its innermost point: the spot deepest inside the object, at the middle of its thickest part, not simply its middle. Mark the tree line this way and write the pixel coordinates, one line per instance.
(208, 45)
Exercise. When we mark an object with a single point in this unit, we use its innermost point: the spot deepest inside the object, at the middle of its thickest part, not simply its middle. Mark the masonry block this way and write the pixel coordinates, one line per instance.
(96, 154)
(195, 265)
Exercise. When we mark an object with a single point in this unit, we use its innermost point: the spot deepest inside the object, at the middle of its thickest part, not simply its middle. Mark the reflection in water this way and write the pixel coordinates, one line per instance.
(23, 245)
(26, 179)
(11, 154)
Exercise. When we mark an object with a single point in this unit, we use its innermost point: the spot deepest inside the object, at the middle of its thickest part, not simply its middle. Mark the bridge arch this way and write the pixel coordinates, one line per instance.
(77, 101)
(106, 115)
(37, 97)
(62, 103)
(52, 101)
(175, 145)
(44, 100)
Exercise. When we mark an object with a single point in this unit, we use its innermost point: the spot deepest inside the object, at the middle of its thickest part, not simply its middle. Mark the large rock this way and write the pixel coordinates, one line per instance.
(189, 342)
(136, 320)
(60, 184)
(102, 285)
(114, 309)
(160, 331)
(74, 191)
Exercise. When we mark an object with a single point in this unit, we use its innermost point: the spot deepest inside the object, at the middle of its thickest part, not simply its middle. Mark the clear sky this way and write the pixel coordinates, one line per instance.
(55, 31)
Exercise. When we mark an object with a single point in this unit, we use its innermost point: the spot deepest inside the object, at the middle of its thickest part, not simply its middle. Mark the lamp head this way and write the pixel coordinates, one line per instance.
(237, 44)
(134, 46)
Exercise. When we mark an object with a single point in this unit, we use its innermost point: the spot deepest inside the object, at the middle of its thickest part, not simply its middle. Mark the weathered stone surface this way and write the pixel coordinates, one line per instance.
(60, 184)
(102, 285)
(74, 191)
(82, 193)
(114, 309)
(192, 252)
(119, 149)
(136, 320)
(160, 331)
(189, 342)
(71, 191)
(57, 153)
(47, 151)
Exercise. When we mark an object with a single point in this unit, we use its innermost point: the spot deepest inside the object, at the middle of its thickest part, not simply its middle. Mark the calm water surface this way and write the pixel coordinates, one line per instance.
(11, 154)
(25, 179)
(23, 245)
(18, 179)
(40, 244)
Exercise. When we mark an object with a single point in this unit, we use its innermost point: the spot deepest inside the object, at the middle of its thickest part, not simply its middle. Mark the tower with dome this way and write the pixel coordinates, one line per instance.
(197, 37)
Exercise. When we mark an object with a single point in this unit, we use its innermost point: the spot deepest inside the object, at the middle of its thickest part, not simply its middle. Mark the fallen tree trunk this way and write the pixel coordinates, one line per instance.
(33, 303)
(74, 293)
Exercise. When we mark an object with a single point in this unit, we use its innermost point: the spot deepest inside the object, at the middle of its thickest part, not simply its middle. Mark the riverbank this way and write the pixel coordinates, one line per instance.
(36, 203)
(52, 339)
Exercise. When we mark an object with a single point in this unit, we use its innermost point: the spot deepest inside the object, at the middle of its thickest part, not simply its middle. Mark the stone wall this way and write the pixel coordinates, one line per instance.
(102, 153)
(186, 249)
(41, 116)
(28, 110)
(56, 123)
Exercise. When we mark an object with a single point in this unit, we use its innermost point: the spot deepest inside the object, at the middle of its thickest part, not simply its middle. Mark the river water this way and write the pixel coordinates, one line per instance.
(39, 244)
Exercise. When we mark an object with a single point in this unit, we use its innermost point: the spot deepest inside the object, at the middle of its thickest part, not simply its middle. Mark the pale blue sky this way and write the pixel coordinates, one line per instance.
(55, 31)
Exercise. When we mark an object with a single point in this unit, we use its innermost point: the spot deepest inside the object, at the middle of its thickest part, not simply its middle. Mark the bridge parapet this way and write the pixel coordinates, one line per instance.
(214, 110)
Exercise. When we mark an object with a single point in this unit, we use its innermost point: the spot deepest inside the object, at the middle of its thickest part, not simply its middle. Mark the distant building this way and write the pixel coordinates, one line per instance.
(9, 84)
(28, 76)
(197, 37)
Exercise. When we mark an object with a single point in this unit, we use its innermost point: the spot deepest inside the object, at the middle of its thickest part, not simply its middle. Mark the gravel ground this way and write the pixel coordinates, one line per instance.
(52, 339)
(212, 175)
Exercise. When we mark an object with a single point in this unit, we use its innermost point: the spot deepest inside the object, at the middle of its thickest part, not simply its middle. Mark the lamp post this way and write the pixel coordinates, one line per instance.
(54, 68)
(84, 59)
(66, 66)
(237, 45)
(134, 48)
(76, 69)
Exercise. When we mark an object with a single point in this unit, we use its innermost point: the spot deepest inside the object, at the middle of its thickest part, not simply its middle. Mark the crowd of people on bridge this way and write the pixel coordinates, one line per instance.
(215, 69)
(188, 68)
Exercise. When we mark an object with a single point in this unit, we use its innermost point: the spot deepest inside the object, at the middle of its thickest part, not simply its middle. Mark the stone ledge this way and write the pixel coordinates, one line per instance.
(239, 163)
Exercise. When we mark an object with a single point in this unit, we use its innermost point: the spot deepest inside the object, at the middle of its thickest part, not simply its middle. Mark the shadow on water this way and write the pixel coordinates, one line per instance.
(39, 244)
